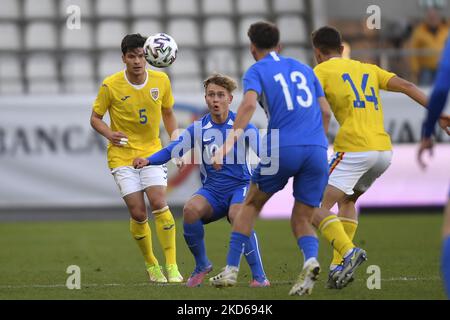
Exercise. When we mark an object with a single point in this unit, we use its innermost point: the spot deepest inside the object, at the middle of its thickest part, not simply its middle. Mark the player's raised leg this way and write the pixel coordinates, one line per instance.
(165, 229)
(194, 210)
(240, 237)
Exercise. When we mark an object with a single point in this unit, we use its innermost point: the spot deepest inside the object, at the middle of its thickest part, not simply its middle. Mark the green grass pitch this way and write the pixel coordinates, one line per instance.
(35, 255)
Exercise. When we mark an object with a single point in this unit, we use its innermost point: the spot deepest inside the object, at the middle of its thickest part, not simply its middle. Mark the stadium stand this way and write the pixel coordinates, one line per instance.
(39, 9)
(211, 36)
(10, 10)
(145, 9)
(213, 7)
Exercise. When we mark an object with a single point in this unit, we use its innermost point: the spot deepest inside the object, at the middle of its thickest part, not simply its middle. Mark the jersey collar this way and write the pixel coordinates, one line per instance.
(220, 124)
(136, 86)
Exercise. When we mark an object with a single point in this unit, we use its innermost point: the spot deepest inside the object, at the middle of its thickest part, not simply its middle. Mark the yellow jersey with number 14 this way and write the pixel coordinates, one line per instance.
(136, 112)
(352, 89)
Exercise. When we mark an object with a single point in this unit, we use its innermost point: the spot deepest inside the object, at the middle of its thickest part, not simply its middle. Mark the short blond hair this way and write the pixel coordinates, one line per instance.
(221, 80)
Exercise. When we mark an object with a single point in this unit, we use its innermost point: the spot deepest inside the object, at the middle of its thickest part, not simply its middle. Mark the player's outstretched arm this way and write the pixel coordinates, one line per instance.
(176, 149)
(438, 99)
(398, 84)
(158, 158)
(246, 110)
(118, 138)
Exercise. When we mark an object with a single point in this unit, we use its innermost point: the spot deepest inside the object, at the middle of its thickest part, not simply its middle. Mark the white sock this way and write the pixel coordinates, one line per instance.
(308, 262)
(231, 268)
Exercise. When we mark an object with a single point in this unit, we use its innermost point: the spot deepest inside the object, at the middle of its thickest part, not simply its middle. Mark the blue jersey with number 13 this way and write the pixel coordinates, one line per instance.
(288, 91)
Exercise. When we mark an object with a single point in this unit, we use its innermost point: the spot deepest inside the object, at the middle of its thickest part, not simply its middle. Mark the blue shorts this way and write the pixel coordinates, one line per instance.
(309, 167)
(221, 200)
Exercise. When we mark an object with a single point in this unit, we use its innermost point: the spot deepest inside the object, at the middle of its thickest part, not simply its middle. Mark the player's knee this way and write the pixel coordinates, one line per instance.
(190, 213)
(318, 215)
(232, 215)
(254, 202)
(157, 203)
(304, 219)
(317, 219)
(157, 198)
(138, 213)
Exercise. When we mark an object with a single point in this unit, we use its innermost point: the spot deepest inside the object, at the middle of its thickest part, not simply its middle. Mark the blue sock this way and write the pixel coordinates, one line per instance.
(237, 245)
(253, 257)
(309, 245)
(446, 265)
(194, 234)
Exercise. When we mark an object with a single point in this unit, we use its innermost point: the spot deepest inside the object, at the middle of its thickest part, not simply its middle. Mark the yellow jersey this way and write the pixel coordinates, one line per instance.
(352, 89)
(136, 112)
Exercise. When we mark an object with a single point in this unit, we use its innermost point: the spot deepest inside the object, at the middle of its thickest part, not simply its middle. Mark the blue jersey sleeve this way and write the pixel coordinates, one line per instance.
(439, 95)
(318, 86)
(251, 81)
(176, 149)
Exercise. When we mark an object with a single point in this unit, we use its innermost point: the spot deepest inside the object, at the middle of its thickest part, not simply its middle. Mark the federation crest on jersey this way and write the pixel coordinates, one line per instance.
(154, 92)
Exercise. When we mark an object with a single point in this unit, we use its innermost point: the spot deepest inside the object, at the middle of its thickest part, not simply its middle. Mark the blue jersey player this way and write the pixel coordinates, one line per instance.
(223, 191)
(436, 106)
(292, 98)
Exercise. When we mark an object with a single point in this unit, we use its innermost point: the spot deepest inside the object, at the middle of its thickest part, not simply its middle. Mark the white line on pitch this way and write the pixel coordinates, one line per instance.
(143, 284)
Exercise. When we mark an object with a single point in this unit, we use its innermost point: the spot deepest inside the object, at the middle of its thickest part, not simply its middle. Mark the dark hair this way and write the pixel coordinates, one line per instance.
(327, 39)
(222, 81)
(132, 41)
(264, 35)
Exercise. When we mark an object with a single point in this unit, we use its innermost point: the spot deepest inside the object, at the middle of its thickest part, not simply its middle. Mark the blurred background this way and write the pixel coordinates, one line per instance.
(55, 53)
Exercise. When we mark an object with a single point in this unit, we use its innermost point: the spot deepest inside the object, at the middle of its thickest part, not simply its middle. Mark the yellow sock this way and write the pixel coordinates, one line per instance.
(142, 234)
(166, 231)
(350, 227)
(331, 228)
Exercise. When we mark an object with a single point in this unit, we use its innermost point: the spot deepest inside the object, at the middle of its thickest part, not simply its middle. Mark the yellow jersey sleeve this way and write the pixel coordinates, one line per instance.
(168, 100)
(383, 76)
(103, 100)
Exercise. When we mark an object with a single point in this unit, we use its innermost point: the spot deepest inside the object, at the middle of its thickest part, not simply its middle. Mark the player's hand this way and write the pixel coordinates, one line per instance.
(139, 163)
(425, 144)
(444, 123)
(118, 139)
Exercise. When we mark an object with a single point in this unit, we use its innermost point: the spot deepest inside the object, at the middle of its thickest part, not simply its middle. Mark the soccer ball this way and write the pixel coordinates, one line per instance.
(160, 50)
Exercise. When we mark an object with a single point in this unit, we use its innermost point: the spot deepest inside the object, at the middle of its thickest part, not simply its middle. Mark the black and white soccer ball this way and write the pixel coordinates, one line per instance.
(160, 50)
